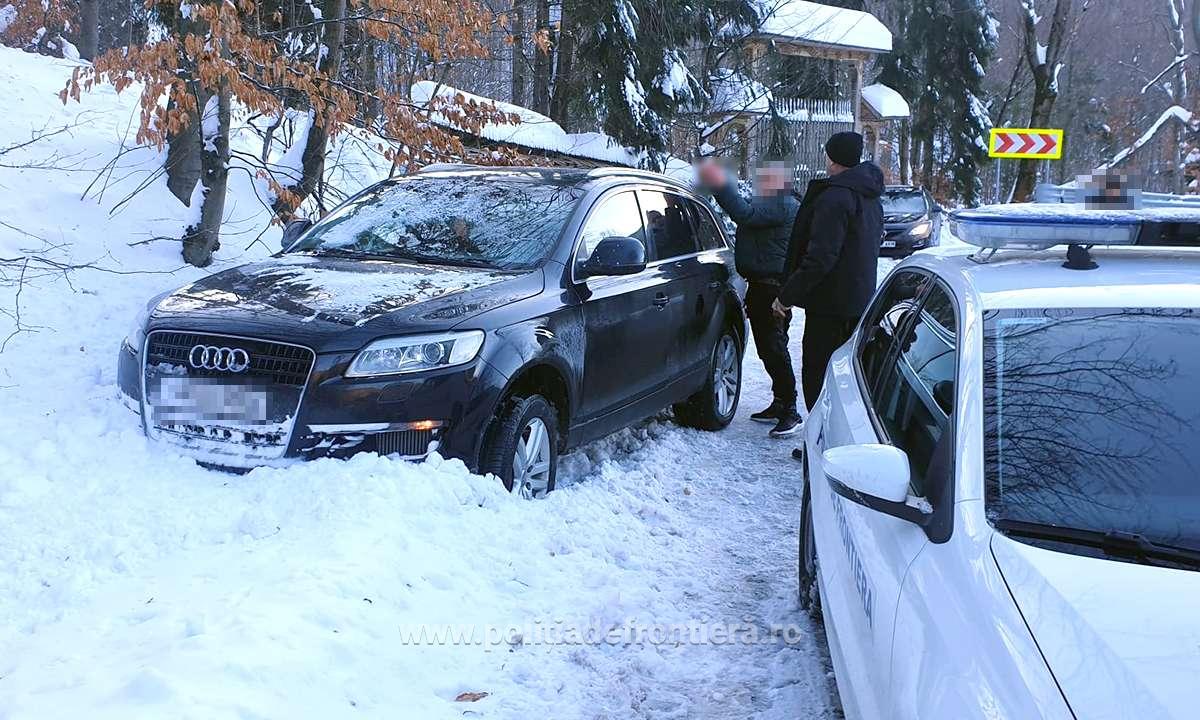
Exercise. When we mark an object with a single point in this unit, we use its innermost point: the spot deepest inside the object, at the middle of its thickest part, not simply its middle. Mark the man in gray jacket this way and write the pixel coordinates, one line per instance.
(764, 229)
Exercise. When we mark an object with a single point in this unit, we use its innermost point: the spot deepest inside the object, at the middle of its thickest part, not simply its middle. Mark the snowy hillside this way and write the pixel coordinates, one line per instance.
(135, 584)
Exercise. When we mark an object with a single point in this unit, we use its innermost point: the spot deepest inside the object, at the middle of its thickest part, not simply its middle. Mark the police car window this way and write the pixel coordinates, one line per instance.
(889, 312)
(668, 225)
(914, 399)
(1090, 420)
(706, 230)
(616, 216)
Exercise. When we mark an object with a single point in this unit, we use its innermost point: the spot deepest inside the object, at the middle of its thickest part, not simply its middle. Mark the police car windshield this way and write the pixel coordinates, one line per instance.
(493, 220)
(1090, 420)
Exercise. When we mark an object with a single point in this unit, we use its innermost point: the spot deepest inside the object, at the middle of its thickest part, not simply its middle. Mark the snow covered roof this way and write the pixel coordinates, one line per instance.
(885, 102)
(535, 131)
(825, 25)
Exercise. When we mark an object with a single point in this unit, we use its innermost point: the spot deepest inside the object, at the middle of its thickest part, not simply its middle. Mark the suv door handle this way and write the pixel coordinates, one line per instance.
(714, 285)
(661, 300)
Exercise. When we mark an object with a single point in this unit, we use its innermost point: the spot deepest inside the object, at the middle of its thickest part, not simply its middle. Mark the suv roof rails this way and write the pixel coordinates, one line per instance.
(617, 171)
(443, 166)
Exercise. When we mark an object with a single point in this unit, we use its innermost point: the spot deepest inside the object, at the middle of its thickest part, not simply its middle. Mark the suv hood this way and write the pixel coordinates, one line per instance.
(338, 303)
(1122, 640)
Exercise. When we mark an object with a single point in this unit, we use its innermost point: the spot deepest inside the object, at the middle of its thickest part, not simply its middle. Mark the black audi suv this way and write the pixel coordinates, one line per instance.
(912, 220)
(497, 315)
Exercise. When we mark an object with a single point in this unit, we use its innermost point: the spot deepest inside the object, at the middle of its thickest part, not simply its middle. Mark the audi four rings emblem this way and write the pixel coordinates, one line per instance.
(208, 357)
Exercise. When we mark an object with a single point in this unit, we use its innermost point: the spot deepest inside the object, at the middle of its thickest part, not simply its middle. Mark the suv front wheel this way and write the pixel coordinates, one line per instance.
(523, 449)
(714, 406)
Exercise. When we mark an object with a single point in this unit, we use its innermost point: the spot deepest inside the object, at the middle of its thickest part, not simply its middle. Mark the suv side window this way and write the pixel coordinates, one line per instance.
(914, 398)
(668, 225)
(888, 315)
(615, 216)
(706, 229)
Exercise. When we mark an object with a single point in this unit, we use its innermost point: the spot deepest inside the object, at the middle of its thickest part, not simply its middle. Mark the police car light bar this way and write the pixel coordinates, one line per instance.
(1043, 226)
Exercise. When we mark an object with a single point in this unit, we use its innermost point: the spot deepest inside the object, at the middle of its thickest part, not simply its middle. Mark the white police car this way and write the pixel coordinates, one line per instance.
(1003, 477)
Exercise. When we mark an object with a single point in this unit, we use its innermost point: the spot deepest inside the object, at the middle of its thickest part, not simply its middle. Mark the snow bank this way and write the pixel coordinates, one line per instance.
(825, 25)
(886, 102)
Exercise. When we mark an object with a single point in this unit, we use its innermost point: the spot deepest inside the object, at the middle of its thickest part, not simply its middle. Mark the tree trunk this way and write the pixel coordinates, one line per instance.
(1039, 117)
(905, 158)
(201, 239)
(518, 53)
(560, 102)
(312, 161)
(541, 62)
(183, 160)
(1045, 85)
(89, 29)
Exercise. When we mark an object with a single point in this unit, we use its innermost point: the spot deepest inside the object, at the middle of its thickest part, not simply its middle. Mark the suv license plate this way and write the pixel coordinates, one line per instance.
(888, 244)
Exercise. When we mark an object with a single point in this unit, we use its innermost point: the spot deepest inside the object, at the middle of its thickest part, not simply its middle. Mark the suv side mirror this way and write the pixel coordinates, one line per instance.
(876, 477)
(616, 255)
(937, 209)
(292, 231)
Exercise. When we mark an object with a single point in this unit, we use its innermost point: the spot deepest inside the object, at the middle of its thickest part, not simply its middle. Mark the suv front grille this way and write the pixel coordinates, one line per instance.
(273, 362)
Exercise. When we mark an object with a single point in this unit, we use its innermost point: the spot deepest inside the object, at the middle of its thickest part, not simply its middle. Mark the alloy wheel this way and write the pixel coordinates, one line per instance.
(531, 460)
(727, 373)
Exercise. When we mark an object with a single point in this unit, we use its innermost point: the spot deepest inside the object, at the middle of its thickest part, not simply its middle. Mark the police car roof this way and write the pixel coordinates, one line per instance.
(1126, 277)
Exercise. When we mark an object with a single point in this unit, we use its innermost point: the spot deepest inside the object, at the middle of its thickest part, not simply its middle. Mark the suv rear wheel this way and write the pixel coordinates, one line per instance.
(523, 449)
(714, 406)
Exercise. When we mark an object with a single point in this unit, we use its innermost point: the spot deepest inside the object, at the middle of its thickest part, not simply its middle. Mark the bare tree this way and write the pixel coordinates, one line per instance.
(1045, 63)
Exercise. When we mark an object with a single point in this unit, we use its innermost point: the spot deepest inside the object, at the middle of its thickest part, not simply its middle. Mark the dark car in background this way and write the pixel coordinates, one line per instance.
(497, 315)
(912, 221)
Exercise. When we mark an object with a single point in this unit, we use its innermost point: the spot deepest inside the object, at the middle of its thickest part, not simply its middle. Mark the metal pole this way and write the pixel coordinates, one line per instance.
(997, 195)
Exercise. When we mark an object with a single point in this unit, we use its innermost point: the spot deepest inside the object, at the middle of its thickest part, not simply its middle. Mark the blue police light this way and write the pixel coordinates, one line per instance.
(1043, 226)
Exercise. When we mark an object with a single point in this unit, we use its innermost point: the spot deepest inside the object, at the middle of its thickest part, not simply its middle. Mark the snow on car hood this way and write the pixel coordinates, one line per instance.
(335, 290)
(1122, 640)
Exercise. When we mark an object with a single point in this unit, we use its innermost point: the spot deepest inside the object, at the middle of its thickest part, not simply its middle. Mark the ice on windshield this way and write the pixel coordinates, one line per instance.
(1090, 418)
(487, 220)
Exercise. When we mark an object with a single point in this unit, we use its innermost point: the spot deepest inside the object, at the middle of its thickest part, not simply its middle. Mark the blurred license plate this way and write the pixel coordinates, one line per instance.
(206, 400)
(888, 243)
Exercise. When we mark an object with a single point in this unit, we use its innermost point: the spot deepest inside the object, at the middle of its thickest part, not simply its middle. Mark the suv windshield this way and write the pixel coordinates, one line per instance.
(1090, 420)
(494, 220)
(905, 202)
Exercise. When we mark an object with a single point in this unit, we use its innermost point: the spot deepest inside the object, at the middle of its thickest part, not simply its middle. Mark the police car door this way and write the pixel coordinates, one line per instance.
(871, 397)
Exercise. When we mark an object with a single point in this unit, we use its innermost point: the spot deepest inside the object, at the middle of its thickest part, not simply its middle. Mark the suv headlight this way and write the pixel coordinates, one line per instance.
(921, 229)
(136, 337)
(415, 353)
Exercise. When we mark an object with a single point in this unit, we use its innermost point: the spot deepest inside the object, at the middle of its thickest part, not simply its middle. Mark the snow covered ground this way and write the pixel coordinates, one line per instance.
(136, 584)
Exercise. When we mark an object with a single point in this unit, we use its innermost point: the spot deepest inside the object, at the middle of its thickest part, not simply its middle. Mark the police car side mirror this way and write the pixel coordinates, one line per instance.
(876, 477)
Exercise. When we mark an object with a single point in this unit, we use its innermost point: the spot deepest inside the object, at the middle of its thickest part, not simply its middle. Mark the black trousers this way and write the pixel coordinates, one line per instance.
(771, 338)
(823, 334)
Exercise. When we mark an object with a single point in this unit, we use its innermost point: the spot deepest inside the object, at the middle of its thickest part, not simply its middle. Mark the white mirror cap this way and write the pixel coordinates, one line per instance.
(877, 470)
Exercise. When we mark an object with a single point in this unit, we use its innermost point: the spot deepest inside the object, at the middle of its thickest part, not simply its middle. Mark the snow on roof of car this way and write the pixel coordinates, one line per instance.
(825, 25)
(885, 102)
(1126, 277)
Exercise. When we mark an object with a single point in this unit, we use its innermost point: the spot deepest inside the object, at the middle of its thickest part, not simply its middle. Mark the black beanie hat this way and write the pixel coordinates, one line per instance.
(845, 148)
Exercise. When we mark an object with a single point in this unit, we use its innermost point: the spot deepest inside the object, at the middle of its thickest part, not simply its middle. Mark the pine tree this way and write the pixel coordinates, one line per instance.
(627, 65)
(940, 52)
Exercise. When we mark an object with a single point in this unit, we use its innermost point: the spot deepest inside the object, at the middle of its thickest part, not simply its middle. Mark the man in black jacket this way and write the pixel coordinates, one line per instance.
(833, 257)
(764, 230)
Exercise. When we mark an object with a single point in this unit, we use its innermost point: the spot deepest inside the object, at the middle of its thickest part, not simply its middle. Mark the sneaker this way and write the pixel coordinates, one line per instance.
(771, 415)
(790, 424)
